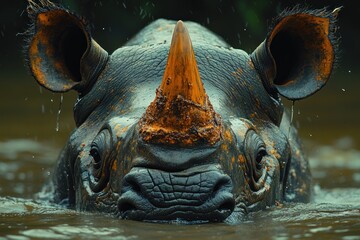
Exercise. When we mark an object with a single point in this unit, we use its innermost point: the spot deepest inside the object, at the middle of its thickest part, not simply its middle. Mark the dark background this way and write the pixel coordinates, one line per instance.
(29, 112)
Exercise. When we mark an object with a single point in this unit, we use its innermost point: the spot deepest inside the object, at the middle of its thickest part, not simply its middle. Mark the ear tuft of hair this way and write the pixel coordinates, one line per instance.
(40, 6)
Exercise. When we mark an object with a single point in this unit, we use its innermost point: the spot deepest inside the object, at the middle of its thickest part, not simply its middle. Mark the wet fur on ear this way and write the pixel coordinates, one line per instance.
(35, 8)
(323, 13)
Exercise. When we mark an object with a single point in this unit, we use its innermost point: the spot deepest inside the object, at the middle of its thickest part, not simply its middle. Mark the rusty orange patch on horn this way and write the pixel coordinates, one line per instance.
(181, 113)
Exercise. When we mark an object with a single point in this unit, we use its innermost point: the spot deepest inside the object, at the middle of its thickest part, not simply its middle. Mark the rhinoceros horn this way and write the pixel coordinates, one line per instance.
(181, 113)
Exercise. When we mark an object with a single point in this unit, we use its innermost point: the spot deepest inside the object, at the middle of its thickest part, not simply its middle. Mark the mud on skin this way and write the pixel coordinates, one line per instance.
(176, 124)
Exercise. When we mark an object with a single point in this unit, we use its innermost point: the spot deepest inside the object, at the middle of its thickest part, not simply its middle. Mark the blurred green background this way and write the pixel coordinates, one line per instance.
(330, 117)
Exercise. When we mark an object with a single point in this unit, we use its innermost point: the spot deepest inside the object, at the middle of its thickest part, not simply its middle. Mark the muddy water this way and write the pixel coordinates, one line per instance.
(29, 145)
(334, 213)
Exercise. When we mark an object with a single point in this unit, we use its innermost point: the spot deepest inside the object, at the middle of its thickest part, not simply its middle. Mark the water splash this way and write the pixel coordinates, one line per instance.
(58, 113)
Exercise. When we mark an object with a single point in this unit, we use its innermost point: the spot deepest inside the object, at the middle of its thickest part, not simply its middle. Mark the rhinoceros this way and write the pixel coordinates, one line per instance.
(176, 124)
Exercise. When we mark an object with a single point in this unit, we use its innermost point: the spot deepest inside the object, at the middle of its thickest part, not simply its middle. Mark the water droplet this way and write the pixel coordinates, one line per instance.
(51, 100)
(310, 134)
(124, 5)
(349, 71)
(58, 113)
(239, 38)
(343, 89)
(291, 118)
(48, 173)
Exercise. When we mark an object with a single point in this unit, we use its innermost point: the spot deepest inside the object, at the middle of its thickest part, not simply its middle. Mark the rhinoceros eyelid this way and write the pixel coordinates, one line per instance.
(102, 141)
(99, 151)
(254, 151)
(254, 144)
(96, 157)
(259, 157)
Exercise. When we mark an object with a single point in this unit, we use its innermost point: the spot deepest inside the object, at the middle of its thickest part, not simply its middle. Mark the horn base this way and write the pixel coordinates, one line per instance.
(180, 122)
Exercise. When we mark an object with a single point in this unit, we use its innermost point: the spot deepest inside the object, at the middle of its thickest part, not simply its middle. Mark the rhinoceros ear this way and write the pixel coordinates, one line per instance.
(297, 57)
(60, 51)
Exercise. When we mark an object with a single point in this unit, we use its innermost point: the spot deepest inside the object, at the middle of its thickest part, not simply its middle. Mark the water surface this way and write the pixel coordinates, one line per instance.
(29, 145)
(25, 166)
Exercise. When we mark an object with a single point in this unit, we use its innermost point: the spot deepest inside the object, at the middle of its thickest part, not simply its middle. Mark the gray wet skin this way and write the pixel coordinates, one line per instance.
(107, 166)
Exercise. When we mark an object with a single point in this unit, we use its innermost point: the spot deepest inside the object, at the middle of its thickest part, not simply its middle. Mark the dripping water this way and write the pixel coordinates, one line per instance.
(291, 118)
(58, 113)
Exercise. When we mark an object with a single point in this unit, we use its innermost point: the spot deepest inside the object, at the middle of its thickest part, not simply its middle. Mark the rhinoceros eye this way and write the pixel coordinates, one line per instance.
(255, 151)
(100, 153)
(96, 162)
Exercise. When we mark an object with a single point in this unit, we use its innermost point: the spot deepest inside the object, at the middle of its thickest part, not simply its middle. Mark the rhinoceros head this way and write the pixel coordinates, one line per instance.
(181, 126)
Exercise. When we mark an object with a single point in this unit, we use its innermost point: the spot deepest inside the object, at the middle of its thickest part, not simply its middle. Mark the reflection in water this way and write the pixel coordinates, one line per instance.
(334, 213)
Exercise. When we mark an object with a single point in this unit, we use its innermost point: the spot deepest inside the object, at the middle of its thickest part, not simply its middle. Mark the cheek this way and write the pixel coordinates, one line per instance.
(81, 182)
(238, 174)
(232, 162)
(82, 168)
(117, 173)
(281, 153)
(122, 163)
(272, 182)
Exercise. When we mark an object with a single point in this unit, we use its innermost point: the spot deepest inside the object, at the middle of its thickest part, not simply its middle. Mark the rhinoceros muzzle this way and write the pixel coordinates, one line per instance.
(198, 194)
(176, 179)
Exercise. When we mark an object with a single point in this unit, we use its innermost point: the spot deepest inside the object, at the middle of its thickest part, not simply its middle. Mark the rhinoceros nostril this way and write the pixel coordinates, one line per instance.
(217, 187)
(151, 194)
(135, 186)
(222, 184)
(132, 195)
(222, 196)
(132, 184)
(227, 205)
(125, 206)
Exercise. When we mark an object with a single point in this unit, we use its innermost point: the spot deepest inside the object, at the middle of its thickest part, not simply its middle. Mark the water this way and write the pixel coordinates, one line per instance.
(29, 146)
(58, 113)
(331, 216)
(334, 212)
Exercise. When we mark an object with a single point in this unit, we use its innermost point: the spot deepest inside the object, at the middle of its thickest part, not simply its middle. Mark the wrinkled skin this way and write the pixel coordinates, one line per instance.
(107, 166)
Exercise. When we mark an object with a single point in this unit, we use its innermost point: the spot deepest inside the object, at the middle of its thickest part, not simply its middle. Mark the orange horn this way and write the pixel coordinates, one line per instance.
(181, 76)
(181, 112)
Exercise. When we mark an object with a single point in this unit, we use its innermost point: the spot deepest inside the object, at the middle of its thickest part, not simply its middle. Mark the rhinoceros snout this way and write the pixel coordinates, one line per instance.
(191, 195)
